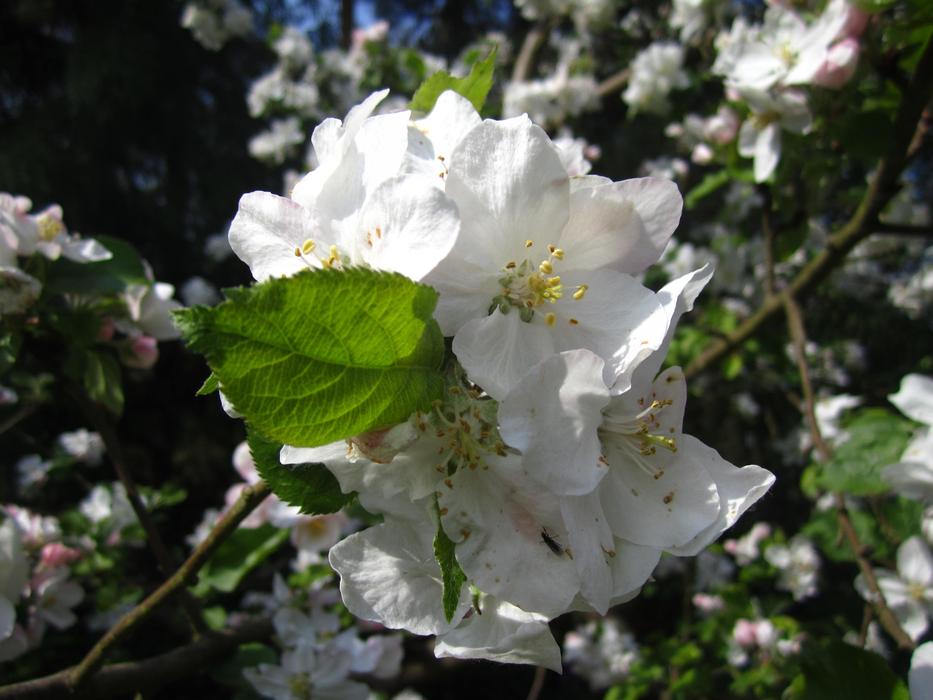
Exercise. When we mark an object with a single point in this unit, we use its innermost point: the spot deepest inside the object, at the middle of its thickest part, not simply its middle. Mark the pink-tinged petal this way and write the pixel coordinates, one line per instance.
(610, 236)
(406, 226)
(496, 517)
(551, 417)
(502, 633)
(498, 350)
(664, 504)
(508, 176)
(738, 489)
(267, 230)
(388, 575)
(604, 230)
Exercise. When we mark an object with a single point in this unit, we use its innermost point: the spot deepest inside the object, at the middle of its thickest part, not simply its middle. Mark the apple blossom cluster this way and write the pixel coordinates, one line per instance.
(35, 585)
(145, 306)
(656, 71)
(764, 66)
(759, 637)
(602, 652)
(552, 100)
(556, 464)
(215, 22)
(318, 657)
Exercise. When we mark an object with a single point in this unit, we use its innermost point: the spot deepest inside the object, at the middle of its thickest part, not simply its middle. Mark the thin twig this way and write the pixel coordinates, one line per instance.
(614, 82)
(165, 560)
(22, 414)
(537, 683)
(124, 679)
(885, 616)
(770, 237)
(251, 497)
(904, 230)
(533, 41)
(864, 221)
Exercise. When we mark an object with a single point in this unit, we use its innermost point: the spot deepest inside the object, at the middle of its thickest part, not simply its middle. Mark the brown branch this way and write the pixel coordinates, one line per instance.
(887, 618)
(251, 497)
(904, 230)
(20, 415)
(537, 683)
(864, 221)
(534, 40)
(614, 82)
(770, 238)
(117, 457)
(147, 675)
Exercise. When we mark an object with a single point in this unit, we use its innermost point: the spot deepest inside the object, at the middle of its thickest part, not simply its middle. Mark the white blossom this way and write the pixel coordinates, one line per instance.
(656, 71)
(799, 564)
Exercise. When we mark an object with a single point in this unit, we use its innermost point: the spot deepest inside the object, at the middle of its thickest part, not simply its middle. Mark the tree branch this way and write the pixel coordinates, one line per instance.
(864, 221)
(614, 82)
(147, 675)
(799, 338)
(534, 40)
(251, 497)
(165, 560)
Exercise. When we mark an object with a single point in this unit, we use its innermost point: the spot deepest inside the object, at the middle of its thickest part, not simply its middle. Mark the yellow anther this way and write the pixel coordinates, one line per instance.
(580, 292)
(297, 252)
(511, 265)
(550, 318)
(546, 267)
(558, 253)
(529, 243)
(572, 321)
(308, 246)
(49, 227)
(554, 281)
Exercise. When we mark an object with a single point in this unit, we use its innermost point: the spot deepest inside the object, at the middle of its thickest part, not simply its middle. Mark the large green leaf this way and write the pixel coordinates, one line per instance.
(323, 355)
(310, 487)
(876, 438)
(474, 87)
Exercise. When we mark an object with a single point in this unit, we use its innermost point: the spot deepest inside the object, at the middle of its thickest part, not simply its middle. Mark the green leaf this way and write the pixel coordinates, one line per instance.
(242, 552)
(838, 671)
(323, 355)
(474, 87)
(210, 385)
(708, 185)
(451, 573)
(310, 487)
(876, 438)
(106, 276)
(102, 380)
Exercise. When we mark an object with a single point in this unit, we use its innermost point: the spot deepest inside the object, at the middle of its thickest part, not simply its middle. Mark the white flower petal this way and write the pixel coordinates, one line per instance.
(502, 633)
(915, 562)
(921, 673)
(767, 151)
(406, 226)
(267, 230)
(551, 417)
(388, 575)
(666, 508)
(738, 489)
(497, 515)
(915, 398)
(498, 350)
